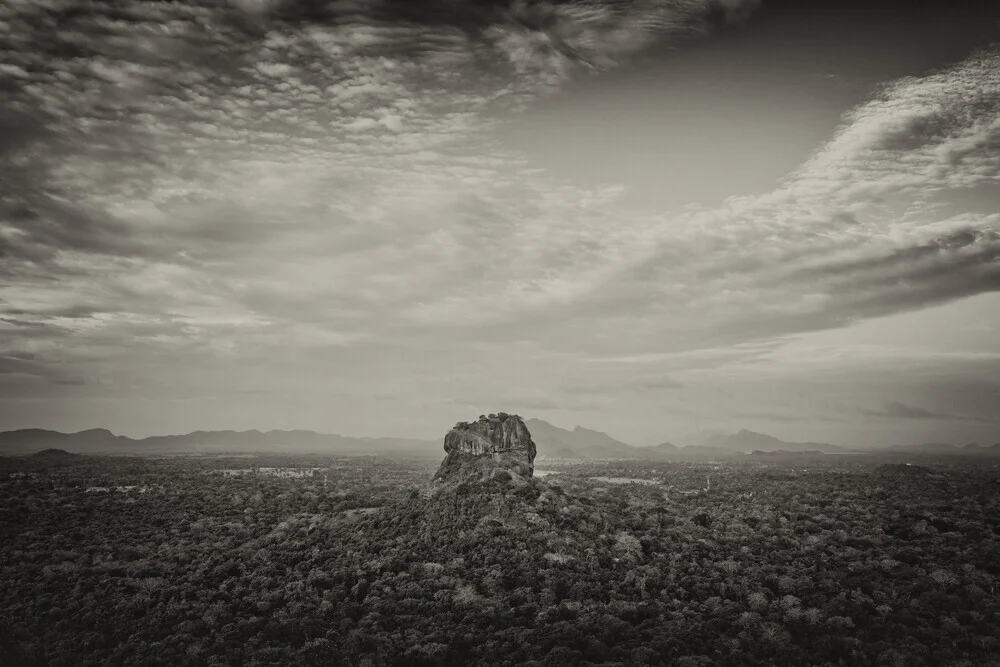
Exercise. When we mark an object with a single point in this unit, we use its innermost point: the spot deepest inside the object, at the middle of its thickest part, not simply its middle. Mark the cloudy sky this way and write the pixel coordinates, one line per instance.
(377, 217)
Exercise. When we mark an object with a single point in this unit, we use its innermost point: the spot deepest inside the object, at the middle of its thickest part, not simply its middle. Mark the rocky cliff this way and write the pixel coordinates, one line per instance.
(499, 441)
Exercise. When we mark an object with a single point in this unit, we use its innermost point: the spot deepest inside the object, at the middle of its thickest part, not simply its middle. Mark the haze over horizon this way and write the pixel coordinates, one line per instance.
(377, 218)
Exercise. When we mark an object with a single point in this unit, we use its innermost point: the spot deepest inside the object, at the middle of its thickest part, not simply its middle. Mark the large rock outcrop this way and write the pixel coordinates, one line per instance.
(480, 448)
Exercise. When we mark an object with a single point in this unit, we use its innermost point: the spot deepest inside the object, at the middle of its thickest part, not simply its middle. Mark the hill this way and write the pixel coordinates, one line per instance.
(54, 454)
(749, 441)
(586, 444)
(580, 443)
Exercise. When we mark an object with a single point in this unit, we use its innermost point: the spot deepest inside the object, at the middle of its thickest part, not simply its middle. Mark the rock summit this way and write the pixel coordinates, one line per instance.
(480, 448)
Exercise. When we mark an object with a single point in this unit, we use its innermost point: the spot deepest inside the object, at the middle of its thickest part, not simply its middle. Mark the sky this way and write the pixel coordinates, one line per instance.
(376, 217)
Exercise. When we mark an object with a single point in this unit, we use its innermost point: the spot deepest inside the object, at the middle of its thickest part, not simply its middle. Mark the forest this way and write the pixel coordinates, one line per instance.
(304, 560)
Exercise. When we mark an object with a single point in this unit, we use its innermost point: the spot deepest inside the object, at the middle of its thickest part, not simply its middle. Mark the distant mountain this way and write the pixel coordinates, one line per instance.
(749, 441)
(580, 443)
(583, 443)
(31, 440)
(102, 441)
(552, 442)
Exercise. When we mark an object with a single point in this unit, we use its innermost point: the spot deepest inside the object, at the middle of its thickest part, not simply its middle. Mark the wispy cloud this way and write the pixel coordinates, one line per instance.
(549, 40)
(181, 160)
(851, 233)
(271, 184)
(895, 410)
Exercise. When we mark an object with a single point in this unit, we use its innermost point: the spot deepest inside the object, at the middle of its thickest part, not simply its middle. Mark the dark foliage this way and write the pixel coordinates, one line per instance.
(172, 561)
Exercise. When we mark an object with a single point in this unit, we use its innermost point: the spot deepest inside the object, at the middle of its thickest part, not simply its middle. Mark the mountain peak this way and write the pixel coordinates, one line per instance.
(96, 432)
(746, 440)
(54, 454)
(665, 446)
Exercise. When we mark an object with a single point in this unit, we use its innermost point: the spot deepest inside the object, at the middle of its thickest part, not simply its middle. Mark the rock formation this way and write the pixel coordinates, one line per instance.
(499, 441)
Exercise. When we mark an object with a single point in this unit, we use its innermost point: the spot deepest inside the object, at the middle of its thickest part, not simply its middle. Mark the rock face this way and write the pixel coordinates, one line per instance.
(497, 441)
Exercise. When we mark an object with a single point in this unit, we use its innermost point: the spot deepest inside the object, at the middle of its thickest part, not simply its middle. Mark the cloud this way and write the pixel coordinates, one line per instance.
(72, 382)
(275, 70)
(256, 6)
(185, 186)
(851, 234)
(895, 410)
(902, 411)
(24, 366)
(392, 122)
(916, 135)
(530, 399)
(361, 124)
(549, 40)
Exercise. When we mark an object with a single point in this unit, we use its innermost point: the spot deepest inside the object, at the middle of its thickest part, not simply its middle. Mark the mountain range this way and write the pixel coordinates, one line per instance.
(552, 442)
(103, 441)
(582, 443)
(749, 441)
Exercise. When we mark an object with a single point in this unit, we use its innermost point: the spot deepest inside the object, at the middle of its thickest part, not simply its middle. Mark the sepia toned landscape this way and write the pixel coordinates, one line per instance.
(598, 333)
